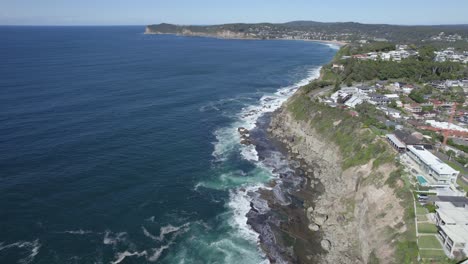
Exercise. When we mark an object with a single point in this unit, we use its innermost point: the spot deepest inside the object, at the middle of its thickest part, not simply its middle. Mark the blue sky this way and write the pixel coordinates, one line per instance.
(142, 12)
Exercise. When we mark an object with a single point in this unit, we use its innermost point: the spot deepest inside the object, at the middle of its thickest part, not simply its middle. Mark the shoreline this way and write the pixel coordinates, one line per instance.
(278, 208)
(334, 42)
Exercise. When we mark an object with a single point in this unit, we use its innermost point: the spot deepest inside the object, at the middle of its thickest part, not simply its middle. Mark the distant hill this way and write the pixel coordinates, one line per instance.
(340, 31)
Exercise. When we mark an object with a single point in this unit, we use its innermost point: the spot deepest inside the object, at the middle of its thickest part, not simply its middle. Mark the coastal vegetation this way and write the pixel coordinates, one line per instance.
(358, 145)
(358, 135)
(408, 69)
(357, 148)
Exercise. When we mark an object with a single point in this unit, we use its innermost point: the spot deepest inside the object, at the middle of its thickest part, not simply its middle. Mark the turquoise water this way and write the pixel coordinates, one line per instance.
(422, 181)
(119, 147)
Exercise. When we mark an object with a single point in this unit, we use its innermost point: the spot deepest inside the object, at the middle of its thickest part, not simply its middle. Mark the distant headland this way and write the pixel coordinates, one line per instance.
(337, 32)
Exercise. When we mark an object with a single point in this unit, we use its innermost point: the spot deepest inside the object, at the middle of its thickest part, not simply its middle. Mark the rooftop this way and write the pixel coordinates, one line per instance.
(396, 141)
(434, 162)
(457, 201)
(459, 234)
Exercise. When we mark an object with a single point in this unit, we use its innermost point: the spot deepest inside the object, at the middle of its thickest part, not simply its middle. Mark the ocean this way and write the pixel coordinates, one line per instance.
(120, 147)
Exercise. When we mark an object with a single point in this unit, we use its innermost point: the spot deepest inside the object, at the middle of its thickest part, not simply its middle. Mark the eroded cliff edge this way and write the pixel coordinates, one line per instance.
(362, 210)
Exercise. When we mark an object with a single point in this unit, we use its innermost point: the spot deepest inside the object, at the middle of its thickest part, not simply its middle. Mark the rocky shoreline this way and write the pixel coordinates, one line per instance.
(316, 212)
(278, 212)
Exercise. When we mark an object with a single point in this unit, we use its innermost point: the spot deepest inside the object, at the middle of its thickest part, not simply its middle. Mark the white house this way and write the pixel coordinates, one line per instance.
(357, 99)
(452, 222)
(442, 174)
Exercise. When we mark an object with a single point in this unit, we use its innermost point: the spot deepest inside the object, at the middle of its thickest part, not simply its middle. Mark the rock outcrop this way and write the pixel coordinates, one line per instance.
(245, 136)
(353, 209)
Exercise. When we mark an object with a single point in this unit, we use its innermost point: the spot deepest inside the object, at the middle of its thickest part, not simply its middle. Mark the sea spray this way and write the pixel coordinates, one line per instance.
(243, 188)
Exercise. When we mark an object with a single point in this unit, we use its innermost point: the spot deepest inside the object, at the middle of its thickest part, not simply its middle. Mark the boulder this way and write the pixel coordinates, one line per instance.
(243, 131)
(246, 141)
(310, 213)
(320, 219)
(314, 227)
(326, 244)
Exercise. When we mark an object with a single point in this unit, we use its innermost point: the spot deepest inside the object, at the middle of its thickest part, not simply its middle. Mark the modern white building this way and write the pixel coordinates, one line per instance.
(441, 173)
(357, 99)
(452, 222)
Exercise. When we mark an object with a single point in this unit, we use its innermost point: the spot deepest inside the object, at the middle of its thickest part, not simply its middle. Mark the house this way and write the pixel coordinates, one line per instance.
(430, 114)
(340, 97)
(406, 89)
(350, 90)
(396, 143)
(378, 99)
(463, 119)
(425, 115)
(413, 108)
(440, 85)
(360, 56)
(357, 99)
(390, 112)
(452, 223)
(392, 96)
(453, 83)
(338, 67)
(465, 83)
(418, 116)
(366, 89)
(412, 138)
(441, 173)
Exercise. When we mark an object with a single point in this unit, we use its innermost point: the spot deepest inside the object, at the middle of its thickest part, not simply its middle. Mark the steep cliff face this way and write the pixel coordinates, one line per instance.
(358, 214)
(221, 33)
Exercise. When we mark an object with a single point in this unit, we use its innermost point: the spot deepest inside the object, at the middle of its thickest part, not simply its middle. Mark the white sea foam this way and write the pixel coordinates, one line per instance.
(78, 232)
(122, 255)
(157, 253)
(165, 230)
(239, 199)
(32, 246)
(239, 203)
(267, 104)
(227, 138)
(114, 238)
(249, 153)
(333, 46)
(151, 255)
(228, 142)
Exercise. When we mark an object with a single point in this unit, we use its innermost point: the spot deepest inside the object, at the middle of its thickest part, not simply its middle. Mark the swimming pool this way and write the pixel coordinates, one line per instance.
(422, 181)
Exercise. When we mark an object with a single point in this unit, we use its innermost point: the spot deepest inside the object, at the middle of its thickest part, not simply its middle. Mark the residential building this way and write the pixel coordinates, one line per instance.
(414, 107)
(452, 223)
(378, 99)
(407, 88)
(340, 97)
(441, 173)
(390, 112)
(396, 143)
(357, 99)
(366, 89)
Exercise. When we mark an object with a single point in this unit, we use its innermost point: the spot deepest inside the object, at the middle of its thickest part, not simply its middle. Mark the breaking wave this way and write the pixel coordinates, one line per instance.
(32, 248)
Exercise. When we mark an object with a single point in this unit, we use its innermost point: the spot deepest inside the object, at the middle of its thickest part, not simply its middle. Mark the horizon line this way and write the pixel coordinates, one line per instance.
(215, 24)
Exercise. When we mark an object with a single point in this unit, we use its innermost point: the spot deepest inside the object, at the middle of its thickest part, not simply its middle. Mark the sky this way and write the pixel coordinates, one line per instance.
(204, 12)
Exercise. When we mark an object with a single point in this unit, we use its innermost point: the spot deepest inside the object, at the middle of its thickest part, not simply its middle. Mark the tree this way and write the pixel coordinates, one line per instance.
(337, 86)
(426, 53)
(417, 96)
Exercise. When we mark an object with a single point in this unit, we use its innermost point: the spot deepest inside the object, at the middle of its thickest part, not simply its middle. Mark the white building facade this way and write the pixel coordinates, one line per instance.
(441, 173)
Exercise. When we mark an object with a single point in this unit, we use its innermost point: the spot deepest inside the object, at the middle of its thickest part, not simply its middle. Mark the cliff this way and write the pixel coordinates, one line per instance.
(197, 31)
(360, 206)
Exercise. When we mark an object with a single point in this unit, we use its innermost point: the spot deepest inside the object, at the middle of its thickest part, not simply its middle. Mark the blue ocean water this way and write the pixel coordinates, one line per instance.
(119, 147)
